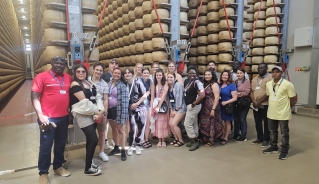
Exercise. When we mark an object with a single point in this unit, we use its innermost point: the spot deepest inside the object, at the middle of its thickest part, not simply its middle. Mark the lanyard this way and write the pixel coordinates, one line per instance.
(91, 79)
(130, 90)
(110, 88)
(258, 83)
(57, 80)
(171, 94)
(189, 85)
(147, 87)
(276, 90)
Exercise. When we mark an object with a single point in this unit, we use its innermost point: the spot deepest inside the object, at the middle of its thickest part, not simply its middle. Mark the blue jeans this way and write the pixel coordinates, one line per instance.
(240, 122)
(262, 132)
(59, 136)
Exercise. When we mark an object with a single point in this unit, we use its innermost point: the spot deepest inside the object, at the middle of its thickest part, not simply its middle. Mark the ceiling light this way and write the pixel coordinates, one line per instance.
(25, 27)
(22, 9)
(26, 34)
(21, 1)
(23, 17)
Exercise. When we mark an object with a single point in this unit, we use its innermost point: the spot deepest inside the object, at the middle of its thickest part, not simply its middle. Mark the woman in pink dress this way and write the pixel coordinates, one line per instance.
(159, 96)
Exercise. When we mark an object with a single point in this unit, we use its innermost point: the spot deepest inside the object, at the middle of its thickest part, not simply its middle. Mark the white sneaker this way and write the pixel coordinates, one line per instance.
(107, 146)
(104, 157)
(138, 150)
(130, 151)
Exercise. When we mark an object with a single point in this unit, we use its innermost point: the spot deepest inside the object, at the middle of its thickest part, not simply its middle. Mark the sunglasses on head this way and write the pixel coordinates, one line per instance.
(58, 58)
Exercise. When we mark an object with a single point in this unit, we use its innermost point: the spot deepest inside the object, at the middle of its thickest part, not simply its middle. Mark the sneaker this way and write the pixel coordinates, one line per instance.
(240, 139)
(107, 145)
(265, 144)
(104, 157)
(93, 165)
(235, 137)
(62, 172)
(189, 144)
(270, 150)
(44, 179)
(115, 150)
(123, 155)
(93, 171)
(130, 151)
(257, 141)
(283, 156)
(194, 146)
(138, 150)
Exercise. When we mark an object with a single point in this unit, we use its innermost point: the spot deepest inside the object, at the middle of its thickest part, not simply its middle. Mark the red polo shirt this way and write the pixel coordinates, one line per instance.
(54, 102)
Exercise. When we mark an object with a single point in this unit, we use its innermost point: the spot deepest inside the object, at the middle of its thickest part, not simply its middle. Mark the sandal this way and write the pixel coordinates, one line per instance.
(208, 144)
(163, 144)
(146, 144)
(159, 144)
(173, 142)
(178, 144)
(223, 142)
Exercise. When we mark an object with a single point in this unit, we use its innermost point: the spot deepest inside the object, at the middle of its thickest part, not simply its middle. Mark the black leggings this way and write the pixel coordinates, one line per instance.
(91, 142)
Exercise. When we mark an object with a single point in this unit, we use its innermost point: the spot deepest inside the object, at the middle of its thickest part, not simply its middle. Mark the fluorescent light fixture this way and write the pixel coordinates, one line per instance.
(21, 1)
(26, 34)
(25, 27)
(23, 17)
(22, 9)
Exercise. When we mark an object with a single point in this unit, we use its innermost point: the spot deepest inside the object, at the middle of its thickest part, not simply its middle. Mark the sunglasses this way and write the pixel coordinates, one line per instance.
(80, 71)
(58, 58)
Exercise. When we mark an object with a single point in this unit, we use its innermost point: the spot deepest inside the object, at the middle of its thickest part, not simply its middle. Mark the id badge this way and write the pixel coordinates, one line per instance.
(257, 87)
(92, 97)
(274, 98)
(62, 92)
(172, 100)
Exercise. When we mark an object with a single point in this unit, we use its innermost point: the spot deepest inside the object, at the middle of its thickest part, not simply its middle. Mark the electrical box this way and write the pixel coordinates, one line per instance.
(303, 36)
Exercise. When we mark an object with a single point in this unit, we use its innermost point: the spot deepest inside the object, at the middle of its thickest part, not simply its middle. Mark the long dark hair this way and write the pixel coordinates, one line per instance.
(86, 73)
(230, 77)
(163, 81)
(213, 80)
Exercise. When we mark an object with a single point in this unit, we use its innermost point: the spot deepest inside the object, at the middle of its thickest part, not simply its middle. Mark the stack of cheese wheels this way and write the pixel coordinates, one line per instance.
(272, 40)
(132, 32)
(225, 36)
(248, 27)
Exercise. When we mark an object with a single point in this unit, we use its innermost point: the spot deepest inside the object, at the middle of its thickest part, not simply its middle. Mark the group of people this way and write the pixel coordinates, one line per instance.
(139, 104)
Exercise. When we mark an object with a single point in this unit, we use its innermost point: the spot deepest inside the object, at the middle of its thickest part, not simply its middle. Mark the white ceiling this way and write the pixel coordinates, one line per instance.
(22, 10)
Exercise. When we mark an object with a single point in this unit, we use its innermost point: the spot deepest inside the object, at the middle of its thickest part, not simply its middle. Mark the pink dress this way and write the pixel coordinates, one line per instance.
(162, 129)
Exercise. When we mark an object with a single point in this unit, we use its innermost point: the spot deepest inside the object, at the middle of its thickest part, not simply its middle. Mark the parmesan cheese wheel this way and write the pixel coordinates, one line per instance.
(121, 33)
(194, 42)
(116, 43)
(116, 24)
(162, 13)
(127, 50)
(183, 30)
(51, 51)
(126, 29)
(183, 16)
(138, 11)
(202, 20)
(132, 38)
(272, 21)
(254, 68)
(201, 30)
(119, 12)
(193, 4)
(139, 35)
(158, 43)
(115, 14)
(112, 53)
(248, 34)
(212, 38)
(257, 59)
(271, 59)
(248, 60)
(131, 16)
(127, 60)
(212, 58)
(262, 6)
(271, 11)
(120, 21)
(247, 68)
(222, 67)
(212, 16)
(139, 24)
(271, 50)
(125, 8)
(110, 8)
(116, 34)
(193, 51)
(139, 58)
(201, 69)
(223, 24)
(147, 45)
(201, 50)
(112, 36)
(212, 27)
(159, 55)
(114, 5)
(132, 27)
(257, 51)
(54, 34)
(133, 59)
(250, 16)
(258, 42)
(52, 15)
(270, 67)
(148, 58)
(163, 67)
(271, 40)
(192, 60)
(260, 24)
(259, 33)
(156, 29)
(229, 11)
(202, 40)
(225, 46)
(147, 7)
(270, 2)
(224, 35)
(138, 2)
(271, 31)
(226, 2)
(131, 4)
(251, 8)
(147, 33)
(262, 15)
(225, 57)
(212, 49)
(132, 49)
(201, 59)
(213, 6)
(184, 3)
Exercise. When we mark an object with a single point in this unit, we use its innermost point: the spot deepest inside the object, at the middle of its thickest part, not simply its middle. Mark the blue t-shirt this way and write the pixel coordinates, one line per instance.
(225, 93)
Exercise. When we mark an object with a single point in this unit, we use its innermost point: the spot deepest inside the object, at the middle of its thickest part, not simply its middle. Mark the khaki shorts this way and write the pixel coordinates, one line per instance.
(102, 126)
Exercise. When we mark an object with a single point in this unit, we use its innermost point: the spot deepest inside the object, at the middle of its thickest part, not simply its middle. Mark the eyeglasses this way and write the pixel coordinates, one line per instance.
(80, 71)
(55, 58)
(191, 73)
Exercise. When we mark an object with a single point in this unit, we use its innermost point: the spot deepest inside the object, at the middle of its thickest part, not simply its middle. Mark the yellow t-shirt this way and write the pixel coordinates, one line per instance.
(279, 104)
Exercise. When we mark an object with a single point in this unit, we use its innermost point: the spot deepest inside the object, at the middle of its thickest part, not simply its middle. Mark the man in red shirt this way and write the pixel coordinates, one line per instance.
(50, 99)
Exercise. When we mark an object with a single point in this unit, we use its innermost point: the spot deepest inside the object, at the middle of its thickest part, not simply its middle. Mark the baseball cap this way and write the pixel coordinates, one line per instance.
(277, 67)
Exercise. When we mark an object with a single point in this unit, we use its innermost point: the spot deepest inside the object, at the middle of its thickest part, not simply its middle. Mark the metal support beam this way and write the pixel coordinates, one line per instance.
(239, 25)
(285, 25)
(175, 25)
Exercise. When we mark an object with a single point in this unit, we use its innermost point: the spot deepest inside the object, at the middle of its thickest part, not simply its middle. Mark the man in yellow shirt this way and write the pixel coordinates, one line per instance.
(282, 97)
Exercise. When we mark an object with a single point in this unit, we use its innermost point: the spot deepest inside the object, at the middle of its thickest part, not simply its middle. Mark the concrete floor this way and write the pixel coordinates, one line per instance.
(233, 163)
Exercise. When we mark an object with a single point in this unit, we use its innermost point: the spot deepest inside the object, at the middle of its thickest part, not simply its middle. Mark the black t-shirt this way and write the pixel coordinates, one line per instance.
(89, 93)
(106, 76)
(191, 88)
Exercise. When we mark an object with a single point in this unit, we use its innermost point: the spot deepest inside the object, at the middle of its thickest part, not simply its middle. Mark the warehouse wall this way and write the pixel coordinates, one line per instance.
(301, 14)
